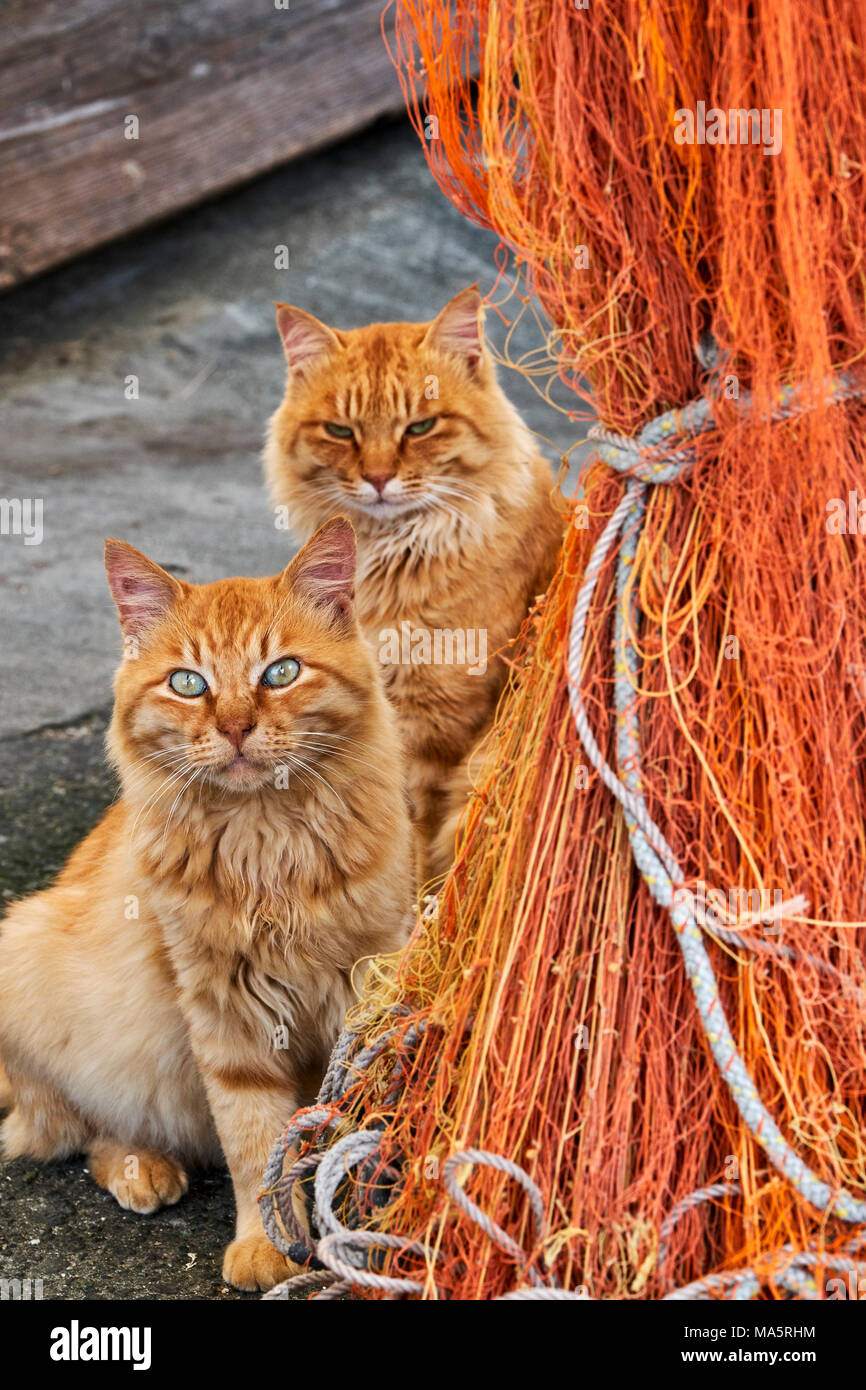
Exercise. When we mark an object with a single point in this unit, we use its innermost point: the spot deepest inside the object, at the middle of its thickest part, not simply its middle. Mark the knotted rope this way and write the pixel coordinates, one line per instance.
(663, 452)
(644, 462)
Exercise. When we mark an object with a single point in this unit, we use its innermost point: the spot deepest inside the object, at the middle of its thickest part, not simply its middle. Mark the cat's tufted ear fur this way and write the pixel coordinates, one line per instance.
(142, 590)
(457, 329)
(304, 338)
(324, 570)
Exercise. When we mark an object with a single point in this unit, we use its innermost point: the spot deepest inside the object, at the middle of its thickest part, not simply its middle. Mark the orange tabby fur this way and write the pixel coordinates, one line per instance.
(220, 900)
(458, 528)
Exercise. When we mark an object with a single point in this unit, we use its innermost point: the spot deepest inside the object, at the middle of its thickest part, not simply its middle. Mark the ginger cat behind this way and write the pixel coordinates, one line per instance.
(405, 427)
(179, 988)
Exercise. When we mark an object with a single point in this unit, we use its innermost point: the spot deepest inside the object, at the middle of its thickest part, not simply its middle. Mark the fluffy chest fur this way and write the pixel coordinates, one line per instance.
(446, 599)
(266, 908)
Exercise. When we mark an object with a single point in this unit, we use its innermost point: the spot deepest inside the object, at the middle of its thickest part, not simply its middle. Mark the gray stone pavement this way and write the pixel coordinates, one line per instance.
(187, 309)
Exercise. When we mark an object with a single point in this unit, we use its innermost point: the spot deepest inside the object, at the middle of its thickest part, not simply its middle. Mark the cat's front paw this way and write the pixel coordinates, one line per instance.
(142, 1180)
(252, 1263)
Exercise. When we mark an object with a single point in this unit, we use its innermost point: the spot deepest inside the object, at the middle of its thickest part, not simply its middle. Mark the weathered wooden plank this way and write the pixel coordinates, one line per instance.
(221, 90)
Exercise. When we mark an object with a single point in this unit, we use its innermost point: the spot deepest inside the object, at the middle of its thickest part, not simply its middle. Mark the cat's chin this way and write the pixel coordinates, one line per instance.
(240, 775)
(384, 510)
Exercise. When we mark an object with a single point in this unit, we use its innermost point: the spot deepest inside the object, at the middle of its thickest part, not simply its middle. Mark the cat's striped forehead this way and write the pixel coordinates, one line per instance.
(234, 625)
(380, 376)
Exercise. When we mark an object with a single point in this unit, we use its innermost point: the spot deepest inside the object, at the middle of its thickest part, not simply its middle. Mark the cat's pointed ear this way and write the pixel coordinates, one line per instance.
(304, 338)
(324, 570)
(142, 590)
(458, 328)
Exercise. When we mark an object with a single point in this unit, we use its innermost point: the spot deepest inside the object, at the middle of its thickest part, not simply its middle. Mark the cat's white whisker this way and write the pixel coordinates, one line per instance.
(154, 799)
(314, 773)
(135, 779)
(459, 518)
(157, 761)
(187, 783)
(161, 753)
(329, 734)
(443, 490)
(136, 772)
(465, 483)
(325, 749)
(296, 765)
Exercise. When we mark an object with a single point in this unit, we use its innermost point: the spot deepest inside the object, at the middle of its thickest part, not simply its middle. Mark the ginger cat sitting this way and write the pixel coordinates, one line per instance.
(405, 427)
(179, 988)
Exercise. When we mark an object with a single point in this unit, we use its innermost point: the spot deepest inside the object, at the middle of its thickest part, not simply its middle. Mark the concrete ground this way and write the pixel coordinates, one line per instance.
(187, 310)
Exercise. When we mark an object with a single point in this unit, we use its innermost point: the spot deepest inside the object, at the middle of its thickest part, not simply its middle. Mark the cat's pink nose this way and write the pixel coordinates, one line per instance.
(379, 480)
(236, 731)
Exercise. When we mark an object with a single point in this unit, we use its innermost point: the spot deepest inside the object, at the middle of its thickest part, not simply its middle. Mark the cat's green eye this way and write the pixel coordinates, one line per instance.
(188, 683)
(422, 426)
(340, 431)
(281, 672)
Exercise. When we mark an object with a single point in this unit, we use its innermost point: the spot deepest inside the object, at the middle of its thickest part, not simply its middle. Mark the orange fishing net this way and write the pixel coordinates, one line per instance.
(543, 1011)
